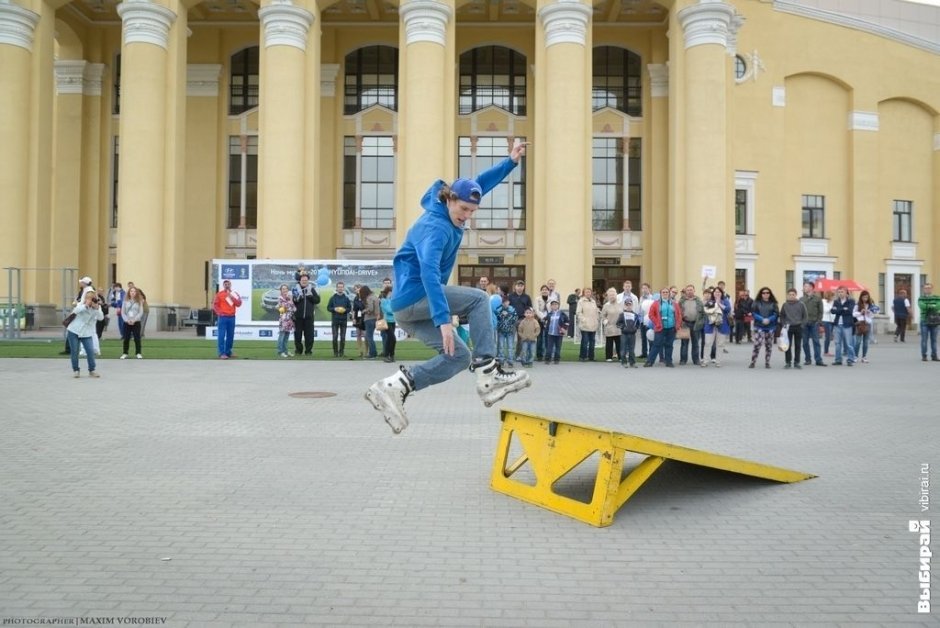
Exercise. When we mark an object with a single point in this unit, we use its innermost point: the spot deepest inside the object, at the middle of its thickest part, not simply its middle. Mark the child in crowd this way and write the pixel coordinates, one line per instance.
(285, 319)
(628, 323)
(529, 330)
(506, 322)
(556, 325)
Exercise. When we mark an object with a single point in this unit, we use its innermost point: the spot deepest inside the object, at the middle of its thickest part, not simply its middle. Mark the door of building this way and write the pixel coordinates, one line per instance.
(604, 277)
(498, 274)
(902, 281)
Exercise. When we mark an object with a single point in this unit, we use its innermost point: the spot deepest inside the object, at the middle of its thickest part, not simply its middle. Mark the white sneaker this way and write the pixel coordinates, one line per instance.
(388, 397)
(140, 357)
(493, 383)
(123, 356)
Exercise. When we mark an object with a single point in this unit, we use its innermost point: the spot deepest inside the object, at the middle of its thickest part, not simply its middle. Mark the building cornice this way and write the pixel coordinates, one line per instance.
(856, 23)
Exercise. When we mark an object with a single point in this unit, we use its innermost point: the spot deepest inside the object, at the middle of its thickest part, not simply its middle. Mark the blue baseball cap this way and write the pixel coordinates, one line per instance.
(467, 190)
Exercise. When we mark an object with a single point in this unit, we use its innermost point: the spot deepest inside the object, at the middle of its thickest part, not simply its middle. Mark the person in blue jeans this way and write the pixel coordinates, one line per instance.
(423, 304)
(843, 327)
(224, 305)
(663, 316)
(81, 330)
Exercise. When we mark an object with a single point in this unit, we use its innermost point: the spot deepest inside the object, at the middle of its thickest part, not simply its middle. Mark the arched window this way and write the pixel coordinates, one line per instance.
(244, 81)
(371, 79)
(492, 75)
(616, 80)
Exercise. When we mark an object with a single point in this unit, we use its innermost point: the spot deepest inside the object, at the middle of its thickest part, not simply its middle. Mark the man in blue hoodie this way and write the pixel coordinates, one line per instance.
(424, 304)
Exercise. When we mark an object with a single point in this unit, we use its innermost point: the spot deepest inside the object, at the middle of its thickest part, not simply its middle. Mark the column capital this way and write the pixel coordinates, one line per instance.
(145, 22)
(737, 21)
(425, 20)
(17, 25)
(93, 78)
(659, 79)
(565, 22)
(708, 22)
(69, 76)
(285, 24)
(203, 79)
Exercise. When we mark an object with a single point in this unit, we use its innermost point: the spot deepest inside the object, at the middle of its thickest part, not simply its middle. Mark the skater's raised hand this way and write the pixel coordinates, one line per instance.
(518, 150)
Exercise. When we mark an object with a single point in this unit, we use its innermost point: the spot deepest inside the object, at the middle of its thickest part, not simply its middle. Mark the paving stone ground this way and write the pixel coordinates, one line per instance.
(202, 494)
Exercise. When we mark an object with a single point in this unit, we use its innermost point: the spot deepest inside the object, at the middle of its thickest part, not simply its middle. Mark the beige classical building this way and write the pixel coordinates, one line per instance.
(772, 140)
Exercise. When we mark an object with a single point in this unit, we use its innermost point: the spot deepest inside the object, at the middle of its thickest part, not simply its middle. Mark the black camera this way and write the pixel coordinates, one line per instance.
(94, 300)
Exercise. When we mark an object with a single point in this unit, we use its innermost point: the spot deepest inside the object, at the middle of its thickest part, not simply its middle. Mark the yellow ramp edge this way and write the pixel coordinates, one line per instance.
(552, 448)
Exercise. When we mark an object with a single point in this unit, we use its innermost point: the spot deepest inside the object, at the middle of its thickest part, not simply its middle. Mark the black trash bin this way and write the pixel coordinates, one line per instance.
(203, 320)
(30, 317)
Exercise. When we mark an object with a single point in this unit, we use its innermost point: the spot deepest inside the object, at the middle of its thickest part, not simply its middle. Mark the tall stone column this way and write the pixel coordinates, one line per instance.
(561, 211)
(17, 26)
(656, 226)
(143, 129)
(66, 224)
(863, 204)
(94, 234)
(706, 213)
(281, 132)
(425, 148)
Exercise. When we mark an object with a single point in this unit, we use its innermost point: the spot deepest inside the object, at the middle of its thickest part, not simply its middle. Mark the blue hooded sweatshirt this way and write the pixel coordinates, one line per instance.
(426, 258)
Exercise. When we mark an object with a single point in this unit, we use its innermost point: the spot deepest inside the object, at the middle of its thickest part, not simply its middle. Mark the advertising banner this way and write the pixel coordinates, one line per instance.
(258, 283)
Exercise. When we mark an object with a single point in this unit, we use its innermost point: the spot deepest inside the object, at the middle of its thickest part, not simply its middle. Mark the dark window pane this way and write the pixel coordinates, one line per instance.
(371, 79)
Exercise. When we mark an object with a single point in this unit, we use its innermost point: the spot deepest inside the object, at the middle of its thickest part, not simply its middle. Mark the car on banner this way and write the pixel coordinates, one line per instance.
(269, 300)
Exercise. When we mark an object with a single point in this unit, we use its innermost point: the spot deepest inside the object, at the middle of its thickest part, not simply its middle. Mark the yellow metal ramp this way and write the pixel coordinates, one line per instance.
(551, 449)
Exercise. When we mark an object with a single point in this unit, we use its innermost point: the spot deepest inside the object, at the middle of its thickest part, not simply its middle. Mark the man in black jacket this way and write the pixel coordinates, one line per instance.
(520, 301)
(306, 299)
(339, 306)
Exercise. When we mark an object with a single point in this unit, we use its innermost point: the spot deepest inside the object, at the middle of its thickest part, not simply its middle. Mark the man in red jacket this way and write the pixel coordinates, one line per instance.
(225, 303)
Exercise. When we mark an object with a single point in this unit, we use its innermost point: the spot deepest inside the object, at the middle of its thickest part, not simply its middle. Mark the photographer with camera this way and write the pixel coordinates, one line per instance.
(81, 331)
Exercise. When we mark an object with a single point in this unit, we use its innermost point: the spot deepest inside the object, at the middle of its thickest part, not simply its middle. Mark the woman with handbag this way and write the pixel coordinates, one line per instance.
(766, 313)
(81, 331)
(864, 315)
(371, 312)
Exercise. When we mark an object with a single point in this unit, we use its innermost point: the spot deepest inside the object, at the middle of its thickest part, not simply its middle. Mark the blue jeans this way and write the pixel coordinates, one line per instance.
(282, 338)
(845, 341)
(371, 351)
(628, 348)
(506, 346)
(587, 344)
(861, 346)
(553, 348)
(644, 343)
(662, 343)
(811, 335)
(526, 351)
(226, 333)
(925, 330)
(89, 344)
(828, 328)
(416, 320)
